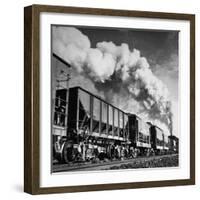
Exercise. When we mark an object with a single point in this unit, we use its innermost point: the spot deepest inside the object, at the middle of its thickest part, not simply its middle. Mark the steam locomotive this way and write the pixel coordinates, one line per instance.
(86, 127)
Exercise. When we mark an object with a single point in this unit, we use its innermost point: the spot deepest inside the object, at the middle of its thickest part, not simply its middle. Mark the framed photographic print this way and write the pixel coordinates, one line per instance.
(109, 99)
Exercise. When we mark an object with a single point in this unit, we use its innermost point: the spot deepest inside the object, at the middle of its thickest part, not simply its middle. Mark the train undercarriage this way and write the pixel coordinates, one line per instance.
(79, 149)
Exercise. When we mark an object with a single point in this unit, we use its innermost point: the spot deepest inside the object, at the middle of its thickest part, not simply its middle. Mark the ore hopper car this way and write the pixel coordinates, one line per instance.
(139, 136)
(94, 128)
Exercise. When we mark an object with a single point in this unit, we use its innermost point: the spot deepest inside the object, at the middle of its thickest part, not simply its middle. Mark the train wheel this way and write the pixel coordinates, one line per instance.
(68, 154)
(135, 154)
(148, 153)
(152, 152)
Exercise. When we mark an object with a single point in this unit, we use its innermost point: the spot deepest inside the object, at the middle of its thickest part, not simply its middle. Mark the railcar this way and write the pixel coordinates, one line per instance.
(157, 139)
(173, 144)
(139, 136)
(94, 128)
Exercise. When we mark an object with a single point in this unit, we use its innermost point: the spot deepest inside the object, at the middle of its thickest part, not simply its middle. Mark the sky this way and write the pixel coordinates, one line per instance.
(159, 48)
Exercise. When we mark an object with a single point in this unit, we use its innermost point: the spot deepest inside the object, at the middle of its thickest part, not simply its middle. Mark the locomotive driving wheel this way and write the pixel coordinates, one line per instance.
(68, 153)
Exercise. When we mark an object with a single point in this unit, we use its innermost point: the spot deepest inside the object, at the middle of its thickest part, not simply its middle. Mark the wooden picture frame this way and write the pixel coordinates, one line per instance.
(32, 104)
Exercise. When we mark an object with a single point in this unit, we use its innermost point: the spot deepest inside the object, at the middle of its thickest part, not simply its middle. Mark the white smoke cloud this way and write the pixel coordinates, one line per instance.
(101, 65)
(119, 53)
(110, 66)
(70, 35)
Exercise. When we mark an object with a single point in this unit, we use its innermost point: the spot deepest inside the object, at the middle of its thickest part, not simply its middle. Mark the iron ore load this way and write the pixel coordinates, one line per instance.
(86, 127)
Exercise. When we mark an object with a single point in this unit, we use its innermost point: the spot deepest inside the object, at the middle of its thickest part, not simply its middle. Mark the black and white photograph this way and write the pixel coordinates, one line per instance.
(114, 98)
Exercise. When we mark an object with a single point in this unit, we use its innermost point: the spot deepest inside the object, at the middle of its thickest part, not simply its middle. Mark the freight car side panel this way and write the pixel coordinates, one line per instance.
(96, 121)
(159, 138)
(85, 111)
(153, 137)
(139, 133)
(133, 129)
(166, 142)
(156, 138)
(72, 109)
(102, 119)
(126, 127)
(143, 138)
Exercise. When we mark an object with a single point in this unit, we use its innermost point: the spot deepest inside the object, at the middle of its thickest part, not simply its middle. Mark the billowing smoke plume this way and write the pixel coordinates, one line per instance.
(120, 75)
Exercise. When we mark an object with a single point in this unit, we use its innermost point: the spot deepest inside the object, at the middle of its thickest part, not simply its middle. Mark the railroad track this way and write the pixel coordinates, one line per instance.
(105, 165)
